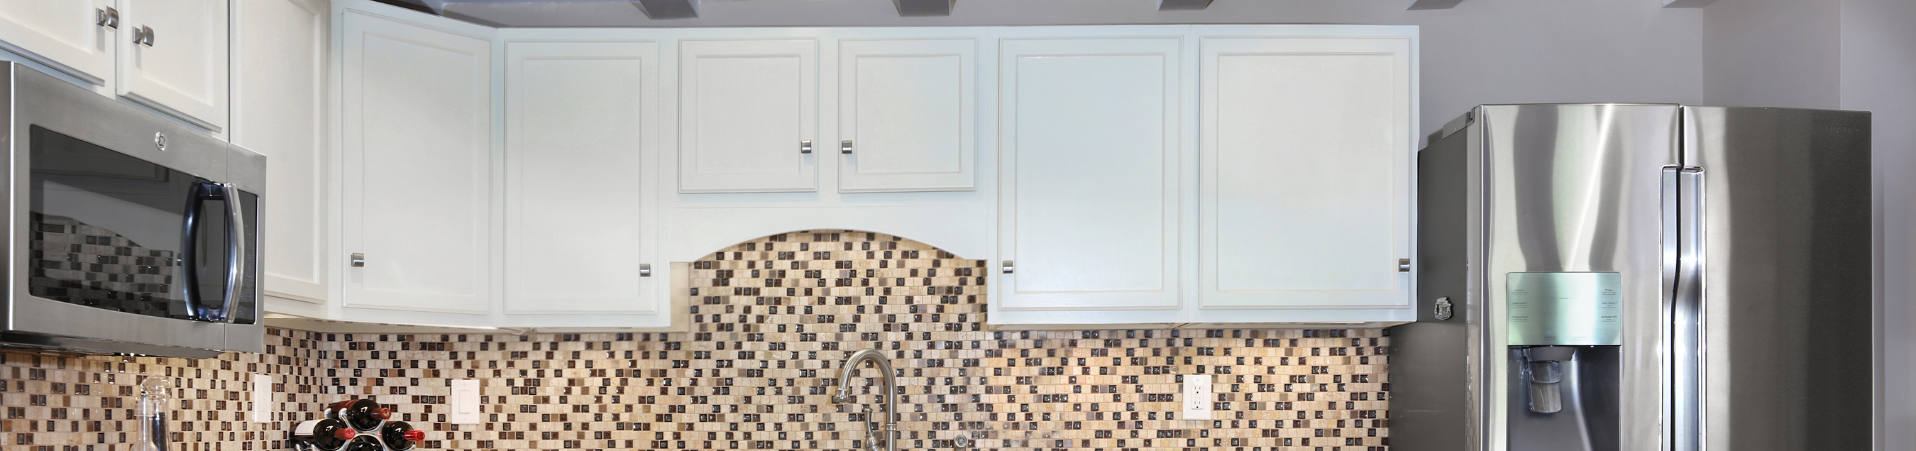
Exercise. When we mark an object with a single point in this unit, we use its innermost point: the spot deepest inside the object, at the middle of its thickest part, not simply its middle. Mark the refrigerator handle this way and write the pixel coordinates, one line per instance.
(1688, 346)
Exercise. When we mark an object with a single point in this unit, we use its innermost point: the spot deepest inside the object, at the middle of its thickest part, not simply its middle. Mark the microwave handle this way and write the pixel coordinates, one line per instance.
(235, 251)
(189, 251)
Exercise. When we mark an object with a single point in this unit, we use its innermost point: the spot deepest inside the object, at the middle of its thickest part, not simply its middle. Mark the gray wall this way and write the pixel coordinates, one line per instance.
(1482, 51)
(1777, 53)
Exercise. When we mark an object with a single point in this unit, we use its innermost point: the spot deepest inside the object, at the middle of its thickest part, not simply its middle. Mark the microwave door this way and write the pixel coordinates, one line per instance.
(110, 245)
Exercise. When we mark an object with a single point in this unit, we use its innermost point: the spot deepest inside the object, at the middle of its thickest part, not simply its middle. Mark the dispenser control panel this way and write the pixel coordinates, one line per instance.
(1564, 308)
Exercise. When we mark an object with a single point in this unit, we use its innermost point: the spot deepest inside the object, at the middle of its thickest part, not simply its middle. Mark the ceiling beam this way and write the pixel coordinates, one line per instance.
(1183, 5)
(1434, 4)
(668, 9)
(920, 8)
(1687, 3)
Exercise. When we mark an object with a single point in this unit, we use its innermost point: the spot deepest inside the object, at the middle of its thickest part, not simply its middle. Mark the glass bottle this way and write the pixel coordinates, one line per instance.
(155, 394)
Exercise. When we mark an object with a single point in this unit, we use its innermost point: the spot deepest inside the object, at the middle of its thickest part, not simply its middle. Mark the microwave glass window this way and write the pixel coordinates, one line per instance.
(115, 232)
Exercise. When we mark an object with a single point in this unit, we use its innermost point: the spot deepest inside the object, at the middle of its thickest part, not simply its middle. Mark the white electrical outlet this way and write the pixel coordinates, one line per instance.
(263, 398)
(1197, 397)
(465, 402)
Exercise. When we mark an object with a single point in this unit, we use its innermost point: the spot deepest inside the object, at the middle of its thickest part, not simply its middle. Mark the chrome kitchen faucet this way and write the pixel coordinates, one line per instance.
(873, 433)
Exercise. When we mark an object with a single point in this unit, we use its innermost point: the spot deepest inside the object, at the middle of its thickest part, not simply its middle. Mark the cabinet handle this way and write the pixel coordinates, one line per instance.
(645, 270)
(1008, 267)
(359, 260)
(805, 146)
(845, 147)
(143, 35)
(106, 17)
(1403, 265)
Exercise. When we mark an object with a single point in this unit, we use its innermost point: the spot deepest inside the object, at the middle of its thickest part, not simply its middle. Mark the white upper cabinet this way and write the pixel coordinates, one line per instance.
(580, 130)
(748, 116)
(1305, 149)
(906, 115)
(279, 100)
(173, 58)
(417, 182)
(1089, 152)
(73, 36)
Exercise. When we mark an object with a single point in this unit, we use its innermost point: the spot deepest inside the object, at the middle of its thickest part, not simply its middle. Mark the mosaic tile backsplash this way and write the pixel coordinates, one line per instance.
(771, 321)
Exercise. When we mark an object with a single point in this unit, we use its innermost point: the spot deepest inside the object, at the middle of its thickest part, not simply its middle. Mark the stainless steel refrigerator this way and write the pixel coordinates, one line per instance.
(1640, 277)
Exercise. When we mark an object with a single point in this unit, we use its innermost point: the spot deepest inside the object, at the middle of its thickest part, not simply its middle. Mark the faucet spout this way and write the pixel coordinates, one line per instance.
(844, 394)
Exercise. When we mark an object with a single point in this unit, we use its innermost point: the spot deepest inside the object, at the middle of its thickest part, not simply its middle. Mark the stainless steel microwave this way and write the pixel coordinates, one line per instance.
(130, 233)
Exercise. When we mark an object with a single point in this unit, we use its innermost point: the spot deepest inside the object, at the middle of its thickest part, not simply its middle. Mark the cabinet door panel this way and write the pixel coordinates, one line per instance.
(418, 166)
(907, 107)
(279, 89)
(1089, 174)
(1304, 181)
(182, 68)
(746, 106)
(578, 127)
(64, 34)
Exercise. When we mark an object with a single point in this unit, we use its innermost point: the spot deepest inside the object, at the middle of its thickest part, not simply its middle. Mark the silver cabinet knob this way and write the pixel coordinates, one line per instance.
(143, 36)
(845, 147)
(1008, 267)
(359, 260)
(1403, 265)
(805, 146)
(645, 270)
(106, 17)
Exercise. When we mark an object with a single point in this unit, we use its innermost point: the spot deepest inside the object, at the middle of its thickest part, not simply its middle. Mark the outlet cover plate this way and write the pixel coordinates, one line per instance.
(1197, 397)
(465, 402)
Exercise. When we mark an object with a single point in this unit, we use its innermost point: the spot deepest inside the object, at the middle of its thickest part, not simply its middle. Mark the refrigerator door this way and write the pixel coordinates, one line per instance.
(1568, 190)
(1786, 276)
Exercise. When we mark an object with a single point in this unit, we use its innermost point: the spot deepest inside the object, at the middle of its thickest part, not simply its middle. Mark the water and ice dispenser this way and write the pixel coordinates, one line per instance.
(1564, 337)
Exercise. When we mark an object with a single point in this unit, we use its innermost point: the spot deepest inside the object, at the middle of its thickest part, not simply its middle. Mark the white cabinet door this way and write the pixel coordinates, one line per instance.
(1306, 146)
(179, 64)
(579, 128)
(1089, 186)
(418, 166)
(74, 36)
(279, 98)
(905, 111)
(745, 107)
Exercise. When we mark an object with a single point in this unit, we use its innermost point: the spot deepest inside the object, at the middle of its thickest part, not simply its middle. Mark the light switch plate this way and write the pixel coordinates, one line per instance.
(263, 398)
(1197, 397)
(465, 402)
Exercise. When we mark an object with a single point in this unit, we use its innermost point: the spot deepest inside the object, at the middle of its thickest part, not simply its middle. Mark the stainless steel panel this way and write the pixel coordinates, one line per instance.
(36, 99)
(1787, 292)
(1432, 404)
(1575, 188)
(246, 170)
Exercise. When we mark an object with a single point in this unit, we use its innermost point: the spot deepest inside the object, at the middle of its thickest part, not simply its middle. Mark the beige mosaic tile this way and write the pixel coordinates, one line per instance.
(773, 318)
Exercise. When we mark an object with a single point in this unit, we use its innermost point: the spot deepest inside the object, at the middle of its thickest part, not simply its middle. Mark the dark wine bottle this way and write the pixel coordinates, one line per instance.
(362, 414)
(323, 434)
(364, 443)
(400, 436)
